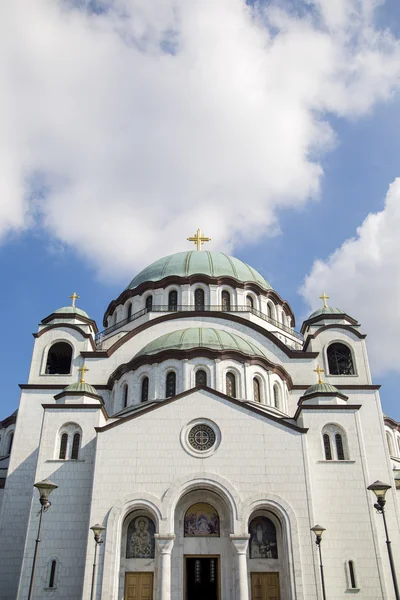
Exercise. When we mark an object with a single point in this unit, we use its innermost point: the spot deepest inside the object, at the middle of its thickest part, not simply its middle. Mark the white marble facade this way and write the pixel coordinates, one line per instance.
(134, 459)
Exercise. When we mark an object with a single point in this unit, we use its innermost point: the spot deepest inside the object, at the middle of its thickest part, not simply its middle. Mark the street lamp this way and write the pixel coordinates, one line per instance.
(380, 490)
(45, 488)
(318, 530)
(97, 531)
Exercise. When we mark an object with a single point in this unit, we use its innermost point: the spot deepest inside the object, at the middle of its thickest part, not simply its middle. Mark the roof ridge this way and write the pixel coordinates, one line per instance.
(169, 258)
(232, 264)
(187, 261)
(210, 262)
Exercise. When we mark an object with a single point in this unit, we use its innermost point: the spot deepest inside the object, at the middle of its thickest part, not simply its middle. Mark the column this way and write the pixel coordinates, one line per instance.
(165, 544)
(241, 544)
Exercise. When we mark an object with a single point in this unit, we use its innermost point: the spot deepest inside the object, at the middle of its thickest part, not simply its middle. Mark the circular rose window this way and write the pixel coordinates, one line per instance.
(201, 437)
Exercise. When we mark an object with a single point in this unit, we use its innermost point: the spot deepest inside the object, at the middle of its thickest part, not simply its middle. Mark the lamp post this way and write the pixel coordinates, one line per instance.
(45, 488)
(97, 531)
(318, 530)
(380, 490)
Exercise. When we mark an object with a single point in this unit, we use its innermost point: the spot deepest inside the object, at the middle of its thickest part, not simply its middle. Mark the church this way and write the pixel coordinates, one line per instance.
(199, 447)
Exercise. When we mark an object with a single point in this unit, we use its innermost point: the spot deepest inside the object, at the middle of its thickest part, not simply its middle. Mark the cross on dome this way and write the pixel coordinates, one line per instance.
(198, 239)
(324, 298)
(318, 370)
(73, 298)
(82, 370)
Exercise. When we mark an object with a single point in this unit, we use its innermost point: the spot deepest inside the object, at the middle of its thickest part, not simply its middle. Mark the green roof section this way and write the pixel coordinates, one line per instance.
(326, 311)
(202, 337)
(82, 388)
(193, 262)
(321, 388)
(72, 310)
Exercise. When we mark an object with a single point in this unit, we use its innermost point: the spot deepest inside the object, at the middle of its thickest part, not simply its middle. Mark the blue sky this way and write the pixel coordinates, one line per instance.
(61, 247)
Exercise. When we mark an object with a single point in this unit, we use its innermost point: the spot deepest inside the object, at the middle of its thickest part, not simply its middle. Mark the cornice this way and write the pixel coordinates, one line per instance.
(328, 316)
(326, 407)
(77, 407)
(206, 279)
(342, 386)
(312, 336)
(69, 316)
(87, 336)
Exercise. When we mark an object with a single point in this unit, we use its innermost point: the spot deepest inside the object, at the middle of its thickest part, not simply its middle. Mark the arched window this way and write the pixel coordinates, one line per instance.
(59, 359)
(340, 360)
(199, 299)
(63, 446)
(125, 393)
(149, 303)
(263, 543)
(201, 520)
(250, 302)
(230, 381)
(352, 575)
(140, 538)
(389, 443)
(226, 300)
(277, 396)
(327, 447)
(270, 311)
(201, 377)
(170, 385)
(145, 390)
(334, 442)
(256, 390)
(129, 311)
(173, 300)
(52, 574)
(75, 446)
(10, 442)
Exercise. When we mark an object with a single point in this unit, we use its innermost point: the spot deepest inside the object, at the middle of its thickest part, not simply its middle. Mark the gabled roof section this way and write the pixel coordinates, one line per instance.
(243, 404)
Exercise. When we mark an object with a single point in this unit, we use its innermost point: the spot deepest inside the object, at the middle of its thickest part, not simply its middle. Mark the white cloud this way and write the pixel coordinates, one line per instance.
(363, 277)
(149, 119)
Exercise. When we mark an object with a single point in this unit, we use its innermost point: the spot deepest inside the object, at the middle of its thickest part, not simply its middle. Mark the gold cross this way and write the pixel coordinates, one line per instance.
(319, 371)
(199, 239)
(73, 298)
(324, 298)
(82, 371)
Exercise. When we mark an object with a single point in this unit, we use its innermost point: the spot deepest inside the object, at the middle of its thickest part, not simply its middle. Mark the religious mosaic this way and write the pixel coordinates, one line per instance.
(201, 520)
(140, 538)
(263, 538)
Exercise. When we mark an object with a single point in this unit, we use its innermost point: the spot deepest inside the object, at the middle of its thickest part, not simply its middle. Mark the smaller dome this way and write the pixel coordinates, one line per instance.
(72, 310)
(321, 388)
(201, 337)
(83, 388)
(327, 310)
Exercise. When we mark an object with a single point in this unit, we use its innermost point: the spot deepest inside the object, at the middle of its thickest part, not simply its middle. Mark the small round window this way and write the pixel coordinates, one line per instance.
(201, 437)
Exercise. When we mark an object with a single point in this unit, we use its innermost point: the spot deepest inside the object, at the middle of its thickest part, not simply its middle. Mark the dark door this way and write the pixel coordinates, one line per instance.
(202, 578)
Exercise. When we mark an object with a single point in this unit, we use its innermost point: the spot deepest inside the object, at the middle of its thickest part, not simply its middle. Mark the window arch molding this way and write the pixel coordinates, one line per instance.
(339, 449)
(129, 310)
(125, 393)
(142, 386)
(148, 301)
(277, 395)
(390, 442)
(66, 444)
(170, 383)
(251, 298)
(198, 368)
(271, 310)
(9, 439)
(55, 576)
(47, 349)
(267, 513)
(232, 295)
(170, 290)
(326, 358)
(205, 290)
(138, 513)
(238, 380)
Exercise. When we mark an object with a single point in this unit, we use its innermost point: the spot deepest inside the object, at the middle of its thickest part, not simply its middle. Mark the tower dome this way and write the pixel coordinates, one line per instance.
(211, 264)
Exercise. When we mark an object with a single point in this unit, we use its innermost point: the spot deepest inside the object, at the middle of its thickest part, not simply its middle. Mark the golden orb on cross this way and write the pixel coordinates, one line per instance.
(324, 298)
(198, 238)
(318, 370)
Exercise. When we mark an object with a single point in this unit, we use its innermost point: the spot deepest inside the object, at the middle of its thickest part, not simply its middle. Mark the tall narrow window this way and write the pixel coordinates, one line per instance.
(277, 394)
(226, 300)
(389, 443)
(250, 302)
(269, 311)
(201, 377)
(340, 360)
(170, 385)
(125, 393)
(129, 311)
(75, 446)
(199, 299)
(352, 576)
(256, 390)
(59, 359)
(145, 390)
(63, 446)
(231, 385)
(173, 300)
(10, 442)
(149, 303)
(339, 446)
(52, 573)
(327, 447)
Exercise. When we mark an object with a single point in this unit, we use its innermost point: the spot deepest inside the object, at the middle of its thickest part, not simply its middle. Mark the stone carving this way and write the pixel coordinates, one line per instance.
(201, 520)
(140, 538)
(262, 538)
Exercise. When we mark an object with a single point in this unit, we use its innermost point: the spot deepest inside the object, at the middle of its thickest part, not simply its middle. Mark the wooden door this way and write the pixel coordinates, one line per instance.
(265, 586)
(138, 586)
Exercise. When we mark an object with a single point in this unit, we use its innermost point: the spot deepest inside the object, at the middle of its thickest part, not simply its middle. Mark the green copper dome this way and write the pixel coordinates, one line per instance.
(327, 310)
(321, 388)
(202, 337)
(72, 310)
(83, 388)
(213, 264)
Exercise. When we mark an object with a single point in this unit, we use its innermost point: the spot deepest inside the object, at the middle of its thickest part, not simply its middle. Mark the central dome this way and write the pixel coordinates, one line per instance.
(192, 262)
(202, 337)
